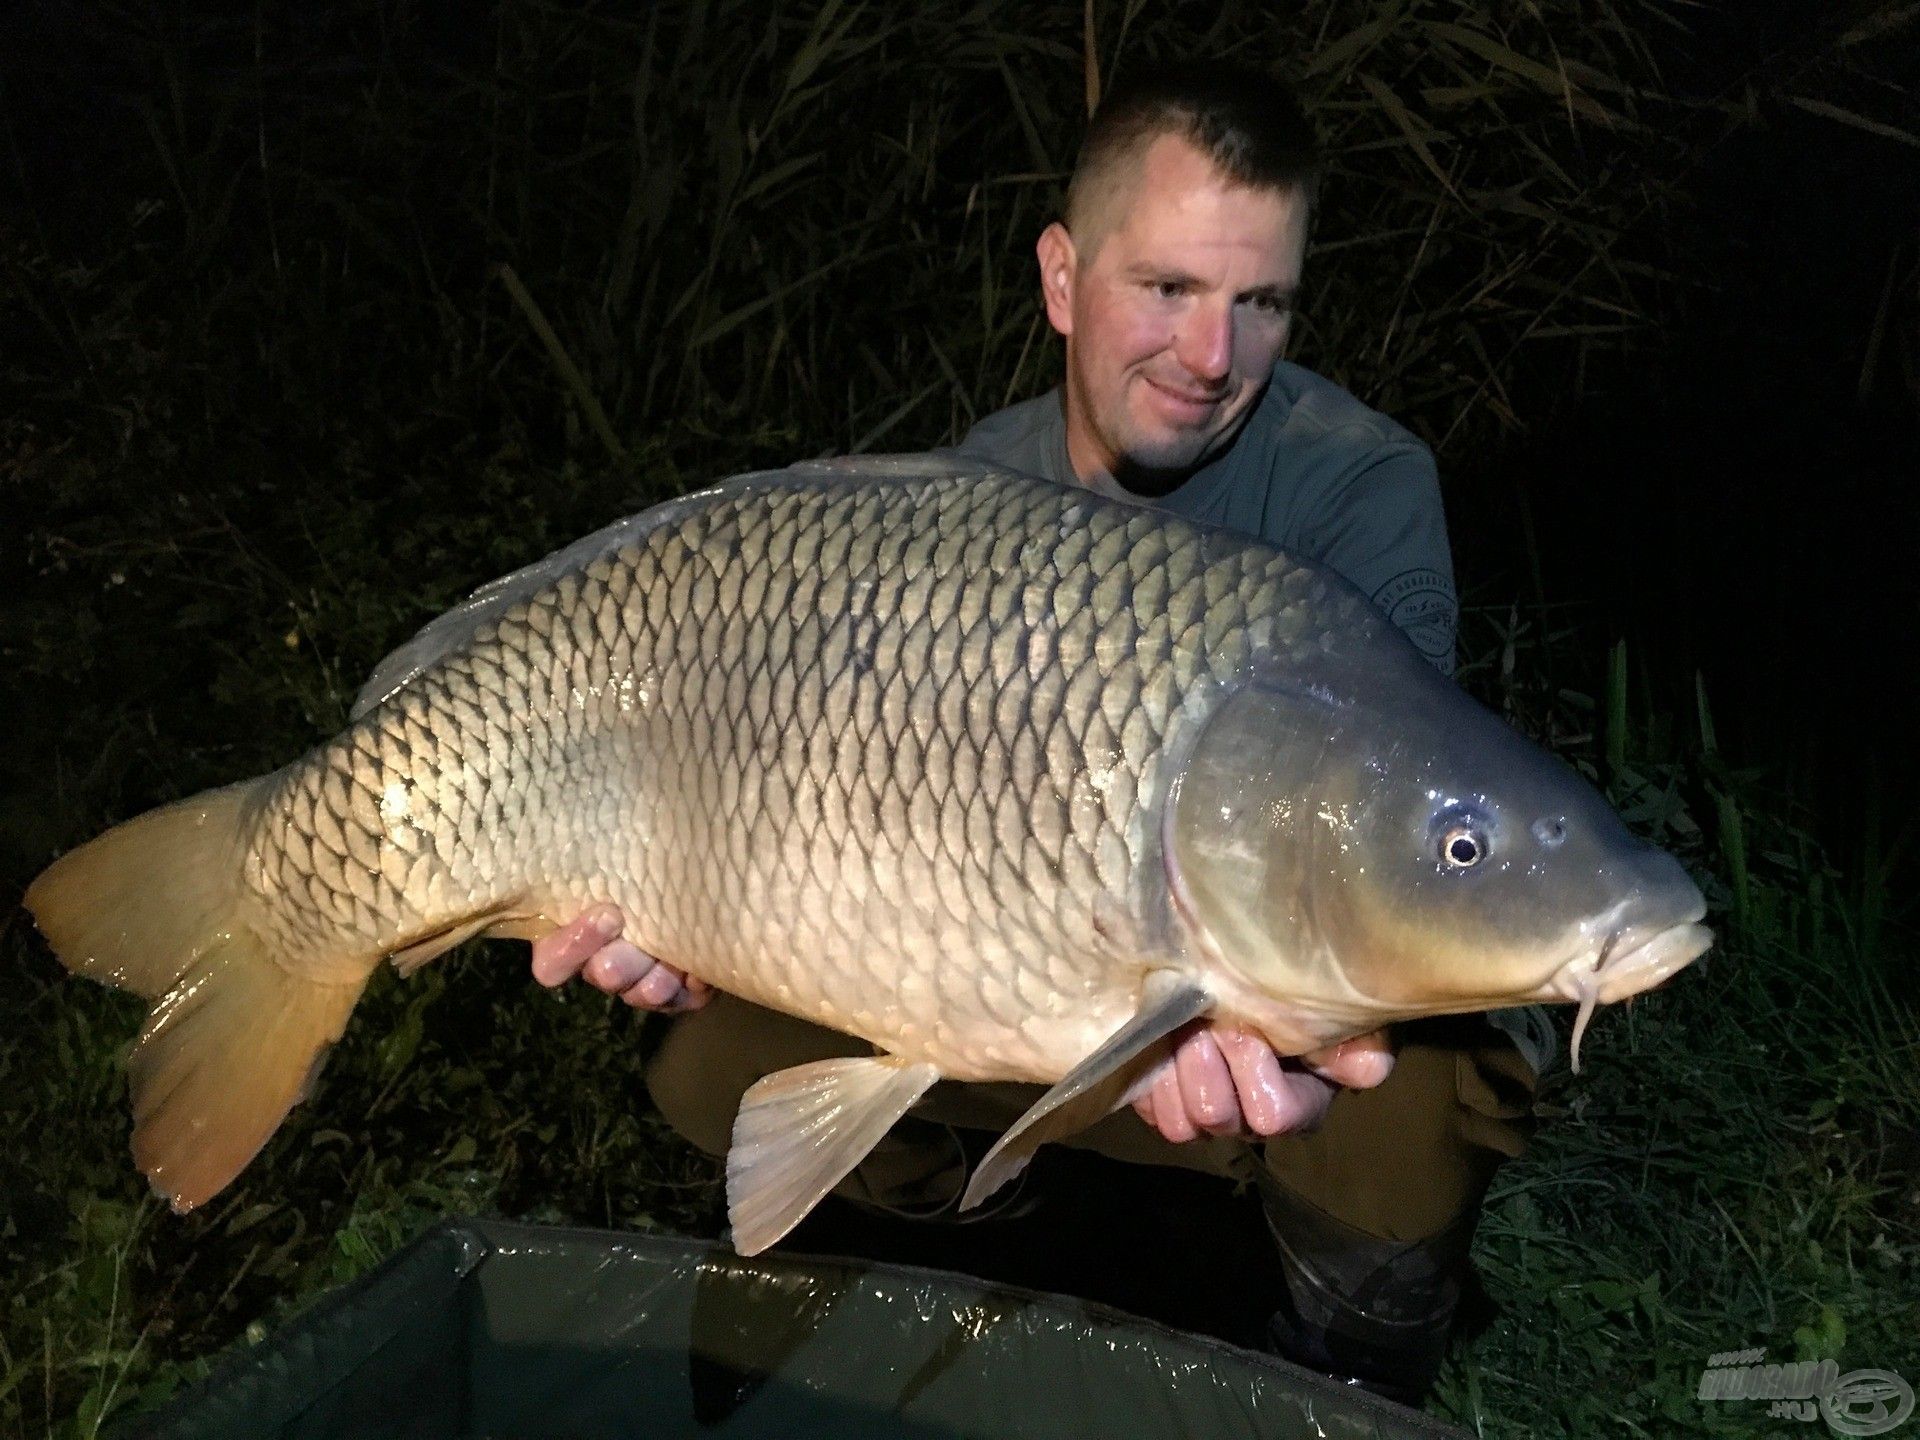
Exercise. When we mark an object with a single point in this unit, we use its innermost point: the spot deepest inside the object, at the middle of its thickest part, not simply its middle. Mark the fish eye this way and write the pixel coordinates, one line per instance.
(1550, 833)
(1462, 846)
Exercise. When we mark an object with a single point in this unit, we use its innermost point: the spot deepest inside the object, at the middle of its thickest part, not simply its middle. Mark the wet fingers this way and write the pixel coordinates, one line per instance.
(1170, 1109)
(1312, 1097)
(1206, 1084)
(559, 956)
(618, 968)
(1358, 1064)
(1266, 1100)
(658, 989)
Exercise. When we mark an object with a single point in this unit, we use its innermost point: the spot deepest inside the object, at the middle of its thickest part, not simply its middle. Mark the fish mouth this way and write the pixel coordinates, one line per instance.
(1633, 959)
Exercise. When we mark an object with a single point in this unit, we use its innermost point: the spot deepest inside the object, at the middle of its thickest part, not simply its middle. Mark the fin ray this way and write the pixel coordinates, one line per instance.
(221, 1060)
(800, 1131)
(157, 906)
(1095, 1086)
(499, 924)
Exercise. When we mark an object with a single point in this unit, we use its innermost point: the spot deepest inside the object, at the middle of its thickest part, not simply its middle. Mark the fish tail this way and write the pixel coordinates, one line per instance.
(159, 906)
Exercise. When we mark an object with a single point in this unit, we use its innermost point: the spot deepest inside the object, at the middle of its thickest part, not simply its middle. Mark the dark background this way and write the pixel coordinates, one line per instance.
(1743, 499)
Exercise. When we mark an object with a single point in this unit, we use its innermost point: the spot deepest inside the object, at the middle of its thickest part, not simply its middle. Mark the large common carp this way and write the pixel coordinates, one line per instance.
(1006, 778)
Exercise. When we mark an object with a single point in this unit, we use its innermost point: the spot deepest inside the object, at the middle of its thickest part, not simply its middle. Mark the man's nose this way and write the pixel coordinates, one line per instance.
(1205, 343)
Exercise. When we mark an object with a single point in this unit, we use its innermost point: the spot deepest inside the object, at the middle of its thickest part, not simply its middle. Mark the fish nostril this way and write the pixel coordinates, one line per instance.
(1550, 833)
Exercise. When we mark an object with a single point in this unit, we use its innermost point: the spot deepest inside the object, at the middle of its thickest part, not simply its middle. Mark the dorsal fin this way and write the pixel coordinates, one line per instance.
(446, 633)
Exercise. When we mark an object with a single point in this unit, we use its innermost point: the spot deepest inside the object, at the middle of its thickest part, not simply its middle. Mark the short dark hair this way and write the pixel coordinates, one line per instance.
(1250, 124)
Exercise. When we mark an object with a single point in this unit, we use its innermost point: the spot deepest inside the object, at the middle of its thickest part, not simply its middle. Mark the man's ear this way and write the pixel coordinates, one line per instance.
(1058, 263)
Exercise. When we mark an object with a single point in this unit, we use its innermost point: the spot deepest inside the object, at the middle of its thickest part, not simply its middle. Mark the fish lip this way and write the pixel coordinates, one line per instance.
(1656, 958)
(1612, 972)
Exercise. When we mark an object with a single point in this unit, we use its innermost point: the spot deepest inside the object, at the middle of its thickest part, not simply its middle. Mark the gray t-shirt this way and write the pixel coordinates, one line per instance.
(1315, 472)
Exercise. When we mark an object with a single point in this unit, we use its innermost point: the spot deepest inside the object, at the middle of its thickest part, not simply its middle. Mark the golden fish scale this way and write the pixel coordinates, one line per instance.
(880, 754)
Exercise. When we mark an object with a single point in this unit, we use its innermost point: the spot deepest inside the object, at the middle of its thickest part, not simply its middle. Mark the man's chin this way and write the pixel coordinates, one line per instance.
(1165, 457)
(1152, 480)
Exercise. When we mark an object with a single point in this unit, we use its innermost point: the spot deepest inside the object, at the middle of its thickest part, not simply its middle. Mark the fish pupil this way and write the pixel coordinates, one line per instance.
(1463, 849)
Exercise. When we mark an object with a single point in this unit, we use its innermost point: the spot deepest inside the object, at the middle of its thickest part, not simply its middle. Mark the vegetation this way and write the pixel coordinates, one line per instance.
(312, 322)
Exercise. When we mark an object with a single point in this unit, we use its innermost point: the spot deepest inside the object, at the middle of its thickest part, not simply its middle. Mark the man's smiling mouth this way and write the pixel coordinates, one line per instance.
(1186, 398)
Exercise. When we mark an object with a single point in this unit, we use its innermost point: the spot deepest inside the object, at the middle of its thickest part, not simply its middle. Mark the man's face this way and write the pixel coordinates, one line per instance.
(1175, 315)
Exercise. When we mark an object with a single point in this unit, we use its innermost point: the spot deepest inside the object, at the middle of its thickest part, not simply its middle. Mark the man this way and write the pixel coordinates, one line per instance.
(1173, 279)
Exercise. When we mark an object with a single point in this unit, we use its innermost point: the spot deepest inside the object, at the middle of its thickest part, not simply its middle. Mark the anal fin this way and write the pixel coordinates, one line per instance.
(800, 1131)
(1094, 1087)
(500, 924)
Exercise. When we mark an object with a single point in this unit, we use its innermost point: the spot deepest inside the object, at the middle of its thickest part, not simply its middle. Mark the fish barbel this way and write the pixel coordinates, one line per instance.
(1006, 778)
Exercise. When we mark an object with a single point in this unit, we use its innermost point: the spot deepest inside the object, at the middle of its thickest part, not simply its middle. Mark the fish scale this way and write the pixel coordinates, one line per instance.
(866, 739)
(1005, 778)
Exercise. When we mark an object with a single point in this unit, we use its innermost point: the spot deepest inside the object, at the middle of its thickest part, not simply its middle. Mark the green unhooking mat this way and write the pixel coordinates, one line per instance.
(521, 1332)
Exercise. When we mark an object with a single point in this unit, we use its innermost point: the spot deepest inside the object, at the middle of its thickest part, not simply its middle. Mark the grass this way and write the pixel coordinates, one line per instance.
(1738, 1163)
(356, 309)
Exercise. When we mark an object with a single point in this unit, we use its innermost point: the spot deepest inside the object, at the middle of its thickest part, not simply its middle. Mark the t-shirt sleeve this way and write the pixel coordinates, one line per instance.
(1021, 437)
(1382, 527)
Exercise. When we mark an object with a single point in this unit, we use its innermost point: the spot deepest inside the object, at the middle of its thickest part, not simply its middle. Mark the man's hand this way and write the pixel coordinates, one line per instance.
(1219, 1082)
(591, 947)
(1227, 1082)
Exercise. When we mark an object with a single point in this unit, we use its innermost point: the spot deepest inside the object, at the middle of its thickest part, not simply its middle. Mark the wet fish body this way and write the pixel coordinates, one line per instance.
(1008, 779)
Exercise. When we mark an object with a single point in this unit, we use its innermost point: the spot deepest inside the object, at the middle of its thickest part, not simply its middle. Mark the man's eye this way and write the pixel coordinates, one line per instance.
(1271, 305)
(1169, 289)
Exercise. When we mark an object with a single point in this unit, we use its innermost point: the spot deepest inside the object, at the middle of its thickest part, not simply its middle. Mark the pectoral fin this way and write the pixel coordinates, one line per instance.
(801, 1130)
(1096, 1085)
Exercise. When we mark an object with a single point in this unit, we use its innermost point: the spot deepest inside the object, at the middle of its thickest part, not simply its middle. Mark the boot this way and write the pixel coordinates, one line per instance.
(1365, 1311)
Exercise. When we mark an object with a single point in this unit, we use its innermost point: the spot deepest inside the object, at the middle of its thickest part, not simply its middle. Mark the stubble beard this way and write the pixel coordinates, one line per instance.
(1155, 460)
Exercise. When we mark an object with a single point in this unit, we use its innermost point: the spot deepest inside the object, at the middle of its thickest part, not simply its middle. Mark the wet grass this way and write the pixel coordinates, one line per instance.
(1737, 1165)
(312, 324)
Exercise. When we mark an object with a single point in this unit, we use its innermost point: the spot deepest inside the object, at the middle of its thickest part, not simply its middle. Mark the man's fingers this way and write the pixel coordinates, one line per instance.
(558, 956)
(1206, 1084)
(617, 967)
(591, 949)
(1359, 1063)
(1266, 1100)
(695, 993)
(1308, 1100)
(657, 989)
(1221, 1081)
(1170, 1110)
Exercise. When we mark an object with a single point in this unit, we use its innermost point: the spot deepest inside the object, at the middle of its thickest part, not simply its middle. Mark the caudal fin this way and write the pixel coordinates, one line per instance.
(157, 906)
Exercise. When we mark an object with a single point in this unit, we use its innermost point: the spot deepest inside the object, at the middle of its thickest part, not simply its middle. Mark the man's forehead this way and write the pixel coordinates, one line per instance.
(1172, 193)
(1177, 204)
